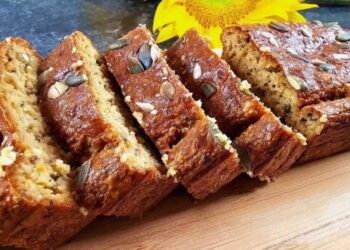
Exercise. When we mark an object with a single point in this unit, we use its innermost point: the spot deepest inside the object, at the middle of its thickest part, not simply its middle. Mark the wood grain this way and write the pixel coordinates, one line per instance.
(306, 208)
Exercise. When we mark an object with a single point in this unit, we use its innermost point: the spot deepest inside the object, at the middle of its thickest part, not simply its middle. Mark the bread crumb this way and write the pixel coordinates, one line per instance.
(83, 211)
(165, 158)
(7, 157)
(323, 118)
(127, 98)
(139, 117)
(171, 172)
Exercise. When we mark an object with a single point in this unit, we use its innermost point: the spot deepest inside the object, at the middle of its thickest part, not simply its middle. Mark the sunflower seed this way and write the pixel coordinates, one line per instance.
(331, 25)
(134, 65)
(343, 37)
(297, 83)
(341, 56)
(42, 78)
(317, 62)
(208, 89)
(273, 41)
(266, 34)
(75, 79)
(145, 56)
(295, 54)
(146, 107)
(83, 174)
(279, 26)
(342, 45)
(326, 67)
(119, 44)
(317, 23)
(306, 33)
(167, 90)
(197, 71)
(57, 89)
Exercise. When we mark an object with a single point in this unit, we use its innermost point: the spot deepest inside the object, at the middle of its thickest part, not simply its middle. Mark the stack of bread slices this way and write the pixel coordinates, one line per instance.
(84, 134)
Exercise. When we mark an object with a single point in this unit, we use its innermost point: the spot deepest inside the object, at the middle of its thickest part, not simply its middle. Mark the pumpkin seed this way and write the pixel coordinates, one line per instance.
(343, 37)
(197, 71)
(119, 44)
(326, 67)
(83, 174)
(145, 56)
(57, 89)
(167, 90)
(342, 45)
(75, 79)
(279, 26)
(134, 65)
(297, 83)
(208, 89)
(155, 52)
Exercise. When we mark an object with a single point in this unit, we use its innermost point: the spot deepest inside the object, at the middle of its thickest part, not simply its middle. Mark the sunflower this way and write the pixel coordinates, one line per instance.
(174, 17)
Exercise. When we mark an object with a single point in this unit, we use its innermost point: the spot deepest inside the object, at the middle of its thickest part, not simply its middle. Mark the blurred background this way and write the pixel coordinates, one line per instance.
(45, 23)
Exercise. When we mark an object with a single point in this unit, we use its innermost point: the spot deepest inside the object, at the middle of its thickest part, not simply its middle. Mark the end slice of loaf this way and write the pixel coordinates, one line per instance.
(37, 208)
(119, 175)
(267, 147)
(193, 149)
(301, 71)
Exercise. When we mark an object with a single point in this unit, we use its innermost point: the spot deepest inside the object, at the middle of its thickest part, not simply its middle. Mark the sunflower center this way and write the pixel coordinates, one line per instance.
(220, 12)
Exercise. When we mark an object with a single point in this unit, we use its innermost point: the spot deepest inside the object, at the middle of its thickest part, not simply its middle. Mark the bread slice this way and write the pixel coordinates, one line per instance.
(119, 176)
(193, 149)
(37, 208)
(302, 72)
(267, 146)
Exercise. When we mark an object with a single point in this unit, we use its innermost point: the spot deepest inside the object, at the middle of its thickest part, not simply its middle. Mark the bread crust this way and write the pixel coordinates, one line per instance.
(270, 146)
(335, 134)
(27, 223)
(74, 117)
(300, 52)
(179, 128)
(322, 85)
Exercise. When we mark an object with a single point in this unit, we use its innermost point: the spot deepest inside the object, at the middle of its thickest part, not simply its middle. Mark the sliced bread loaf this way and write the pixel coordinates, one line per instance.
(37, 208)
(193, 149)
(301, 71)
(267, 147)
(119, 175)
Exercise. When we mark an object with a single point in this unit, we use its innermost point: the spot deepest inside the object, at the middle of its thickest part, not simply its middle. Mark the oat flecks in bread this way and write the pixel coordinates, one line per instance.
(304, 80)
(194, 150)
(37, 208)
(266, 147)
(119, 175)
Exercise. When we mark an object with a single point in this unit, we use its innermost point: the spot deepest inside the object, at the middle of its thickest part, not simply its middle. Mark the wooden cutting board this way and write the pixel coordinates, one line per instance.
(306, 208)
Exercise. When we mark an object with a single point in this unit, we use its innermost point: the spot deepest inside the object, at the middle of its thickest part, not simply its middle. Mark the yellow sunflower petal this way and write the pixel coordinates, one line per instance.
(175, 17)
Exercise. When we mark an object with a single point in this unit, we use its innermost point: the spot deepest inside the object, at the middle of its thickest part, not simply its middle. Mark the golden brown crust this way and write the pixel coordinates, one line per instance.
(110, 185)
(261, 136)
(334, 137)
(27, 223)
(177, 125)
(320, 45)
(299, 53)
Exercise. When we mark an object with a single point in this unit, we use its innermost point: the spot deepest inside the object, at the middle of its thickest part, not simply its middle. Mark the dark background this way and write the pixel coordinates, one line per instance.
(45, 23)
